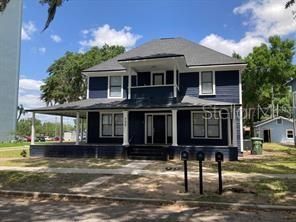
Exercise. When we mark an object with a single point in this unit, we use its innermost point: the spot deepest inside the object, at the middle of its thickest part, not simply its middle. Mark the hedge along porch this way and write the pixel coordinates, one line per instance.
(154, 133)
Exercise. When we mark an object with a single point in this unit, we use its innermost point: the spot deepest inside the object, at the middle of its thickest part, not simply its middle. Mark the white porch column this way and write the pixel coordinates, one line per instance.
(61, 129)
(125, 128)
(174, 126)
(77, 128)
(234, 128)
(175, 81)
(241, 129)
(229, 127)
(33, 129)
(129, 82)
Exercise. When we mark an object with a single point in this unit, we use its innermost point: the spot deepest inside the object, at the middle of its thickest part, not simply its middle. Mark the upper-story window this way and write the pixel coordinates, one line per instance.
(207, 83)
(115, 87)
(158, 78)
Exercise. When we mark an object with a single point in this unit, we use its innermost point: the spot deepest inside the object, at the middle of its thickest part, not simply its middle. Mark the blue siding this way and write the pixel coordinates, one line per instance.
(137, 127)
(153, 92)
(227, 86)
(98, 87)
(184, 132)
(189, 84)
(277, 131)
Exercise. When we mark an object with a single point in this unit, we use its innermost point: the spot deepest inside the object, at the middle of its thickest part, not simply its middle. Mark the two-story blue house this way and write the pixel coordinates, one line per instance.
(154, 101)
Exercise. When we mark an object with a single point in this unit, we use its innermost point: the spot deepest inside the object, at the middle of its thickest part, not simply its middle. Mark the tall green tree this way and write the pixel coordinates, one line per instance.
(268, 69)
(65, 82)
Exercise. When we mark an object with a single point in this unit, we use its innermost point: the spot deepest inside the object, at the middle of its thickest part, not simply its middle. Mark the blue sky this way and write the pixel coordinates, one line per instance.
(226, 26)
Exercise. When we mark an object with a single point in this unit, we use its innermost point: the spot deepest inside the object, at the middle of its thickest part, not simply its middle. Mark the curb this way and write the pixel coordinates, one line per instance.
(84, 197)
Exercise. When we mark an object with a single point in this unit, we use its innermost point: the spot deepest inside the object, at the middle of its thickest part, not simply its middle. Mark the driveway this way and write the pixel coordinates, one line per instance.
(27, 210)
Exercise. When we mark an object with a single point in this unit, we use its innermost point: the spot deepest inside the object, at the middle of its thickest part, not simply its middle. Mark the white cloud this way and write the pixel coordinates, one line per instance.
(28, 30)
(42, 50)
(30, 84)
(56, 38)
(107, 35)
(29, 97)
(264, 18)
(268, 17)
(228, 46)
(29, 93)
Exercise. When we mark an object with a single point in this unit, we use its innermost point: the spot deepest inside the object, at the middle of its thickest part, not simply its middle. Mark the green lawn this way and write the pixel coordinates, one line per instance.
(260, 191)
(65, 163)
(14, 153)
(46, 182)
(276, 159)
(17, 144)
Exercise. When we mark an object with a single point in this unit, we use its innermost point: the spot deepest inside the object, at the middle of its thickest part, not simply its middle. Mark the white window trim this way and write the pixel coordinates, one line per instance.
(108, 90)
(287, 133)
(206, 127)
(101, 124)
(158, 72)
(214, 83)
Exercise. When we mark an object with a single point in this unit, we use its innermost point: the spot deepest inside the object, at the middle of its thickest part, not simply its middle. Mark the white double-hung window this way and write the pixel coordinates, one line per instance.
(207, 83)
(111, 125)
(115, 89)
(205, 125)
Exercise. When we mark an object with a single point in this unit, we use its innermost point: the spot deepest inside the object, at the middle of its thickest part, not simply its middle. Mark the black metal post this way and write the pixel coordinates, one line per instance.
(200, 178)
(220, 177)
(185, 176)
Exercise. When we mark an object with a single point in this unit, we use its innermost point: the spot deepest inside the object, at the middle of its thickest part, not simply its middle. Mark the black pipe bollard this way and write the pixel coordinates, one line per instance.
(200, 156)
(185, 176)
(185, 157)
(219, 159)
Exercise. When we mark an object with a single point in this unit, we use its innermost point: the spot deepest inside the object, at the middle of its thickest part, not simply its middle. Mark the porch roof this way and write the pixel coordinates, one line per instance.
(70, 109)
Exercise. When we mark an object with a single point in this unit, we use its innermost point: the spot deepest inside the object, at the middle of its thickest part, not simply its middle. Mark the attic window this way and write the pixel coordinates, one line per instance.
(279, 121)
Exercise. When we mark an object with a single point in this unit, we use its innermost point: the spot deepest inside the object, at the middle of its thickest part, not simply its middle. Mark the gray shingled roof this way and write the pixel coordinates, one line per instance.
(195, 54)
(97, 104)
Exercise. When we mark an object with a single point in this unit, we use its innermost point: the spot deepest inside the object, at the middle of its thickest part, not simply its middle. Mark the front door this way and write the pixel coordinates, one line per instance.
(159, 129)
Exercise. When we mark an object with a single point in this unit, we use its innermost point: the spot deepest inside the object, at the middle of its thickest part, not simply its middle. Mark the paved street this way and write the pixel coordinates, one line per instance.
(25, 210)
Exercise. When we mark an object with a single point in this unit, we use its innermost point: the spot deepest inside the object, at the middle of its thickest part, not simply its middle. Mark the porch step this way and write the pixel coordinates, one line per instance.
(147, 153)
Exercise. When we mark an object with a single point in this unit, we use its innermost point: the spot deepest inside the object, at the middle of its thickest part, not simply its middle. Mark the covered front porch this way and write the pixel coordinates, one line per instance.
(144, 132)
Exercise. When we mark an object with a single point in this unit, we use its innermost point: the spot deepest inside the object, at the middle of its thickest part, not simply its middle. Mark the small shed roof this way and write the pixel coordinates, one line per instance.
(263, 122)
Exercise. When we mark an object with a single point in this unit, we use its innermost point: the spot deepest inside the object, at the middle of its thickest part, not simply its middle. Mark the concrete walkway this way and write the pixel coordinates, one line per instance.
(137, 169)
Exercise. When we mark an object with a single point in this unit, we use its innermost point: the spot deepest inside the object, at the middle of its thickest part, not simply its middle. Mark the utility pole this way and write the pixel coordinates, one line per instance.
(272, 102)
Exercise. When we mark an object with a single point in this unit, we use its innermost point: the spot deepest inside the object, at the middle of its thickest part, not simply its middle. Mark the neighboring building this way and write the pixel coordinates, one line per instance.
(10, 45)
(292, 84)
(156, 100)
(276, 130)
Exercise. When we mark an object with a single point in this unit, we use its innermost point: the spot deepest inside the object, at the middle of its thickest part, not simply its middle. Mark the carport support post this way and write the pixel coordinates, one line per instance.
(174, 126)
(33, 129)
(77, 128)
(61, 129)
(125, 128)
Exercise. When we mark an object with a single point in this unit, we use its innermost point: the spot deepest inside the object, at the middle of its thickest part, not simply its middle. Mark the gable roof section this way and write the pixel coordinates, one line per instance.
(263, 122)
(195, 54)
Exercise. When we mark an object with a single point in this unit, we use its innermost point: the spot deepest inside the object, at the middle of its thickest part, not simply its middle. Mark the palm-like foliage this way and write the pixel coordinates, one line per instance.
(52, 8)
